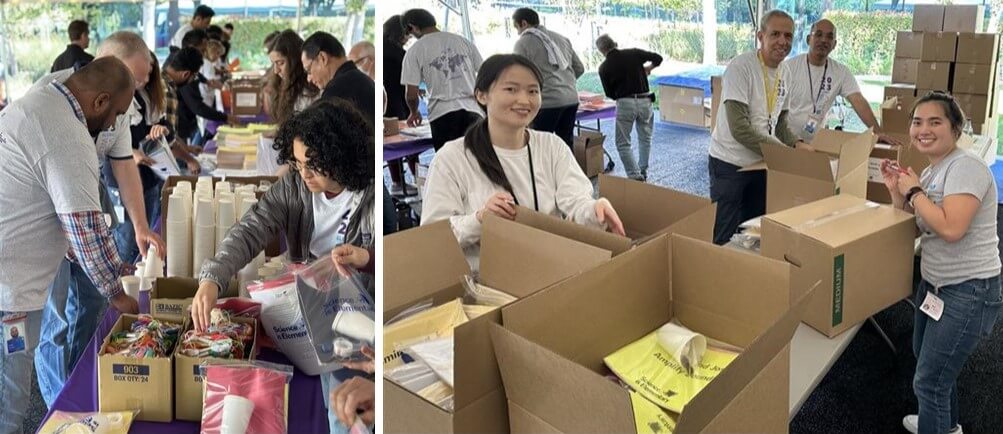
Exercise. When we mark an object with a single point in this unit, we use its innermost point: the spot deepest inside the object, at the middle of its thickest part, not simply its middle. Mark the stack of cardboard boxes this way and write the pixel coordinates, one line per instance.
(945, 51)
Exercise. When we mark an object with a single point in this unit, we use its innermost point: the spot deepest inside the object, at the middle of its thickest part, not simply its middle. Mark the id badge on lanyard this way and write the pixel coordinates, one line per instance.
(15, 332)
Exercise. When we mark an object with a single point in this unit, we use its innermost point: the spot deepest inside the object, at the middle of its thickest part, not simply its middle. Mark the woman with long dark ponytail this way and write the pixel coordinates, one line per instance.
(501, 163)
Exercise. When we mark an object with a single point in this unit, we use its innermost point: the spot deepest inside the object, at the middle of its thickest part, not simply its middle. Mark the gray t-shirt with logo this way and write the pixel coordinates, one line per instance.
(976, 255)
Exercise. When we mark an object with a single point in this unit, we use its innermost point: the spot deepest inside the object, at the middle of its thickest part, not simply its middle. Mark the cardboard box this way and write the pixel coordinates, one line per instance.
(246, 97)
(909, 44)
(715, 99)
(876, 190)
(978, 48)
(896, 116)
(976, 107)
(902, 91)
(838, 165)
(938, 47)
(128, 383)
(172, 296)
(588, 150)
(928, 18)
(515, 259)
(973, 79)
(964, 18)
(862, 253)
(933, 75)
(552, 346)
(391, 127)
(904, 70)
(188, 380)
(646, 211)
(682, 105)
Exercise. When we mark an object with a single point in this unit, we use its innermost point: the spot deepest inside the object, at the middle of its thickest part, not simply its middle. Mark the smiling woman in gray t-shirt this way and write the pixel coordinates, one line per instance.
(959, 298)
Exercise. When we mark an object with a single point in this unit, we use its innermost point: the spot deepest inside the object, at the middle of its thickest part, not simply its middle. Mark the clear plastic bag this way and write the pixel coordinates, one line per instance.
(337, 310)
(109, 422)
(483, 295)
(245, 397)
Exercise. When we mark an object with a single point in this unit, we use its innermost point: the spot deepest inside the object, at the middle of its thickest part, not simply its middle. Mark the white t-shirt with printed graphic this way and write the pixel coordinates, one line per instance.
(330, 220)
(838, 81)
(448, 65)
(743, 82)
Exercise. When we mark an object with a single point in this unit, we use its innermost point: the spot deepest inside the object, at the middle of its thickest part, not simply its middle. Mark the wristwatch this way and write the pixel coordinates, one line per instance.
(911, 193)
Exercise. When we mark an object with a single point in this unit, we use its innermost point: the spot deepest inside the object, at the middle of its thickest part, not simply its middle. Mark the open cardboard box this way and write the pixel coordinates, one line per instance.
(838, 165)
(646, 210)
(862, 252)
(130, 383)
(552, 346)
(427, 263)
(188, 380)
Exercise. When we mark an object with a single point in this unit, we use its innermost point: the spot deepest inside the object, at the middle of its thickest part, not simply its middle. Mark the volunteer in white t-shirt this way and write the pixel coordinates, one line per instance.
(50, 209)
(501, 163)
(201, 19)
(448, 65)
(816, 80)
(754, 110)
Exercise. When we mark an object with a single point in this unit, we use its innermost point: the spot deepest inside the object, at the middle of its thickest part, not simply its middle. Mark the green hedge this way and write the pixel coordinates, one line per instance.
(249, 35)
(685, 42)
(866, 41)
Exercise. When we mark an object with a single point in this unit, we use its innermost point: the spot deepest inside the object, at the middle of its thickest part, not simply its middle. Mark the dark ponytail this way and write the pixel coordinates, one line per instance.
(477, 138)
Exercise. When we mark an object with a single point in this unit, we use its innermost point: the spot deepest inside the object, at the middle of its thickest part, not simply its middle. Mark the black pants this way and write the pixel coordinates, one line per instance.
(557, 120)
(740, 196)
(452, 125)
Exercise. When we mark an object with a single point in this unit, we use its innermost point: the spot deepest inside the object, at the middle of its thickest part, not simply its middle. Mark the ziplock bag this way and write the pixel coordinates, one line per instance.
(245, 397)
(337, 310)
(109, 422)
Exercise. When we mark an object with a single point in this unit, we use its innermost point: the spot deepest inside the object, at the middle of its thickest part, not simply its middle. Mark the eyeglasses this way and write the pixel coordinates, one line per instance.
(309, 66)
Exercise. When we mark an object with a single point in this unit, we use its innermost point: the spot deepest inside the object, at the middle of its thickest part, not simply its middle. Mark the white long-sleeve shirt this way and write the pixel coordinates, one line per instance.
(458, 188)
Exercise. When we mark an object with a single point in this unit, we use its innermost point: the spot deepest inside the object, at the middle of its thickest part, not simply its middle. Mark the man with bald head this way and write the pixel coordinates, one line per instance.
(75, 305)
(51, 208)
(363, 54)
(816, 81)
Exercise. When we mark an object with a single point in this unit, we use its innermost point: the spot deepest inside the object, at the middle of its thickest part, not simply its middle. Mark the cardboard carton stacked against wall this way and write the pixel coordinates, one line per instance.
(945, 51)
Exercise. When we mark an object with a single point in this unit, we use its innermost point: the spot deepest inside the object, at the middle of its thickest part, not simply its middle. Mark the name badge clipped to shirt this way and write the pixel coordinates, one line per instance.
(812, 125)
(932, 306)
(15, 333)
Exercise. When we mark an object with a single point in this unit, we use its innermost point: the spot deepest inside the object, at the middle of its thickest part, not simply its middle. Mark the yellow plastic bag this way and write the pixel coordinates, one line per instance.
(111, 422)
(650, 418)
(437, 322)
(648, 369)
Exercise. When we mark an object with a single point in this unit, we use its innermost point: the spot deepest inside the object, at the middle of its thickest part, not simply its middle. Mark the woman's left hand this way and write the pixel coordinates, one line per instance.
(607, 215)
(348, 256)
(907, 180)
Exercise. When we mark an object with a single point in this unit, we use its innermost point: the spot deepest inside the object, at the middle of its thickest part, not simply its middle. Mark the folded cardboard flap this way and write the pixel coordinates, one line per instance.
(475, 371)
(808, 164)
(542, 258)
(646, 209)
(424, 260)
(412, 414)
(568, 229)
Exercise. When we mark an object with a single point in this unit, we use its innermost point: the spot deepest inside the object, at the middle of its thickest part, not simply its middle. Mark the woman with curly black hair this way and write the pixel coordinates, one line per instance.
(324, 201)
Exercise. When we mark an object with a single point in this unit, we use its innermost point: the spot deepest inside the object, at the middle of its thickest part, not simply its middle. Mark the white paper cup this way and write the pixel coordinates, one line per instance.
(140, 269)
(355, 325)
(131, 285)
(237, 412)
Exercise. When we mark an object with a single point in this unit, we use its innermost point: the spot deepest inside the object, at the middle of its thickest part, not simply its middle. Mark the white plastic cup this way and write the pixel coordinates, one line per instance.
(355, 325)
(131, 285)
(237, 412)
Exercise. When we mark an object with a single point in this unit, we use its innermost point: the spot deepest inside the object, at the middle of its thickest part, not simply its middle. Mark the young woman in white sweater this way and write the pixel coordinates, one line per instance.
(501, 163)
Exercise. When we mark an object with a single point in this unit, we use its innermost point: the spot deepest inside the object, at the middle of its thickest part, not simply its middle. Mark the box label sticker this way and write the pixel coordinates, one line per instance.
(168, 309)
(837, 290)
(197, 374)
(131, 373)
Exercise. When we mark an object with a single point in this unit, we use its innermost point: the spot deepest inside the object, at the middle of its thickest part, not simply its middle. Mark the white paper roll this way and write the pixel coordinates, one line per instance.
(203, 246)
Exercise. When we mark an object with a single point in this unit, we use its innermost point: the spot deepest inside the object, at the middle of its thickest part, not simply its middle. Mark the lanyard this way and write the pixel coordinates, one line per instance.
(532, 177)
(821, 84)
(771, 96)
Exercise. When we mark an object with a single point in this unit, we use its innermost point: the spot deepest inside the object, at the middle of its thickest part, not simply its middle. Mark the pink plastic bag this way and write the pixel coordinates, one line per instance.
(231, 389)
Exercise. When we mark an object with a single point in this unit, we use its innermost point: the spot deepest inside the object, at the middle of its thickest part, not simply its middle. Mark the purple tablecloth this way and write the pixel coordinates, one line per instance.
(406, 148)
(307, 414)
(595, 115)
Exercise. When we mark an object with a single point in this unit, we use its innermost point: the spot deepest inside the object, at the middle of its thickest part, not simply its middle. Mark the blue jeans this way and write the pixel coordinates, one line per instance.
(329, 382)
(631, 111)
(124, 233)
(15, 374)
(739, 196)
(69, 320)
(942, 347)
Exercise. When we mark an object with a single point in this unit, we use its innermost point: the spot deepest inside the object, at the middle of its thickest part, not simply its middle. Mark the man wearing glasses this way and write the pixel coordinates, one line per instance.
(329, 69)
(816, 81)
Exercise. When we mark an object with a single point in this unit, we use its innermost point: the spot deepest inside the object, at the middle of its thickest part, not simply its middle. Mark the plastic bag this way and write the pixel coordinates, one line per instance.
(483, 295)
(245, 397)
(110, 422)
(430, 324)
(438, 355)
(337, 310)
(283, 321)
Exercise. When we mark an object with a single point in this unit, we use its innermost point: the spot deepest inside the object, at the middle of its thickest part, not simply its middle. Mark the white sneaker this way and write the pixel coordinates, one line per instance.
(911, 424)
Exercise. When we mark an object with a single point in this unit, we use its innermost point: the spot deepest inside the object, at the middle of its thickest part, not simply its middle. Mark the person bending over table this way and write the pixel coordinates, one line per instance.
(958, 300)
(325, 200)
(501, 163)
